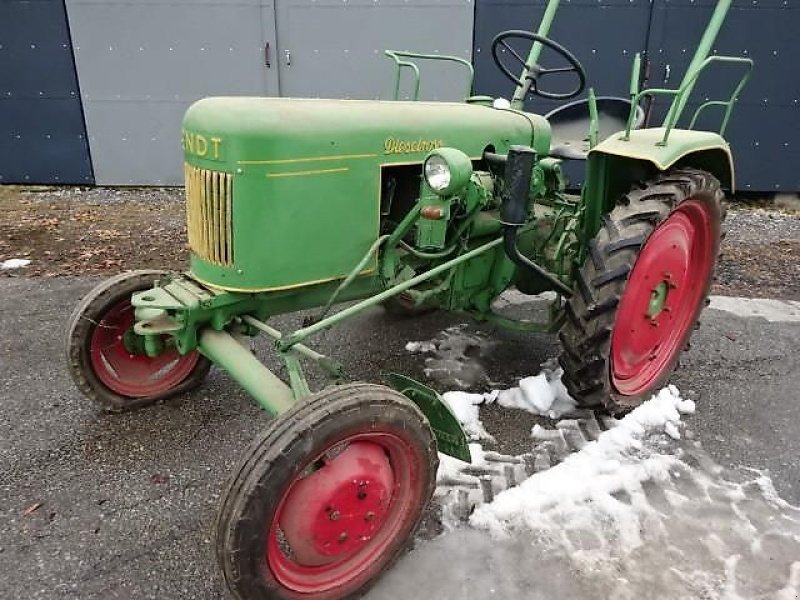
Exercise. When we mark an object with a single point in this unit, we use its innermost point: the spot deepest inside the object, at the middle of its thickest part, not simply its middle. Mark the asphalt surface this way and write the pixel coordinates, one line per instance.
(122, 506)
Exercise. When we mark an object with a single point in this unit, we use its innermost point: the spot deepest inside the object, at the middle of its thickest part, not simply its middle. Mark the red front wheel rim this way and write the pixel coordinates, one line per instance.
(332, 527)
(662, 298)
(128, 374)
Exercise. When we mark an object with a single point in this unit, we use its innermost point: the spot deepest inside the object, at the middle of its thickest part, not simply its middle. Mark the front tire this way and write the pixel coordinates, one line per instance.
(639, 295)
(327, 497)
(101, 366)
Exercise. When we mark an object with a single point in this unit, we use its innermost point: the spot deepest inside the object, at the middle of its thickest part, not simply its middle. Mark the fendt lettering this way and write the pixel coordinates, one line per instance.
(198, 145)
(329, 494)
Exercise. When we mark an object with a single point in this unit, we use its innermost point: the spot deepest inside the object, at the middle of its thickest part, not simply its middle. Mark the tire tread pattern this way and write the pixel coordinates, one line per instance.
(600, 283)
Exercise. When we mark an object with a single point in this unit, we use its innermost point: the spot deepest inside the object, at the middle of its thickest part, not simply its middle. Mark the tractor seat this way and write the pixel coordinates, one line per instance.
(570, 124)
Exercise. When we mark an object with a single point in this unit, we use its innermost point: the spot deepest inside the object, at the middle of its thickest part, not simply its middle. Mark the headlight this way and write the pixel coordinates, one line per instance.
(437, 173)
(447, 170)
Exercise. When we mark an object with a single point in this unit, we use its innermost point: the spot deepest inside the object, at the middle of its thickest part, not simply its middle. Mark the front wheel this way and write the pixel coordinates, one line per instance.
(639, 295)
(327, 497)
(102, 361)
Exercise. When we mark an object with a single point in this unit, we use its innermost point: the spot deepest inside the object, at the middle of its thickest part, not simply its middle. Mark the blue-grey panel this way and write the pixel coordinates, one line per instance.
(141, 64)
(42, 136)
(603, 34)
(764, 126)
(335, 49)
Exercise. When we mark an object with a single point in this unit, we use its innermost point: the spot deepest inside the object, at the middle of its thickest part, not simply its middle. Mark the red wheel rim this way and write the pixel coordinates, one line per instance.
(662, 298)
(133, 375)
(344, 509)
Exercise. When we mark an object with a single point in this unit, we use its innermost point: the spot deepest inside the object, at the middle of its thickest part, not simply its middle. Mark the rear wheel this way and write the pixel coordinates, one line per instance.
(641, 291)
(99, 357)
(327, 497)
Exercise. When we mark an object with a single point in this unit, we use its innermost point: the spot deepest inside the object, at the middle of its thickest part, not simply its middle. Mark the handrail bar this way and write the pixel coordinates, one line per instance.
(397, 55)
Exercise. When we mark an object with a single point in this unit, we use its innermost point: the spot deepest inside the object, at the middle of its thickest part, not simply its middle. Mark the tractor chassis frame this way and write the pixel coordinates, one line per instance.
(219, 324)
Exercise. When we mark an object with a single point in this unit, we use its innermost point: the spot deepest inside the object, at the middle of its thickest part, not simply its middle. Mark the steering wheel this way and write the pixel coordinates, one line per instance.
(535, 72)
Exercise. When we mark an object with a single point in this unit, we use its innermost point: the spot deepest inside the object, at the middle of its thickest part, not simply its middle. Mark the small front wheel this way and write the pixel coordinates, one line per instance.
(327, 497)
(102, 364)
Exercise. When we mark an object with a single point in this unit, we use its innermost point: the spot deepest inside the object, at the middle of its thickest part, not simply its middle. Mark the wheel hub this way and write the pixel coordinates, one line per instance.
(658, 297)
(337, 509)
(119, 360)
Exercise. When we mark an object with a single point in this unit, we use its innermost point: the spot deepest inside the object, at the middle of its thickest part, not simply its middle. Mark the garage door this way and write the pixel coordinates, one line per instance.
(141, 64)
(335, 48)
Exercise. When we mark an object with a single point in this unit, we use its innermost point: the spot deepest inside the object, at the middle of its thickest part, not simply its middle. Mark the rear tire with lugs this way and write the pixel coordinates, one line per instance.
(639, 295)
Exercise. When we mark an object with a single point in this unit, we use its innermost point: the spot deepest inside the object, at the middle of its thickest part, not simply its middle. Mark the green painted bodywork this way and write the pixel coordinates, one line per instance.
(314, 220)
(307, 173)
(644, 145)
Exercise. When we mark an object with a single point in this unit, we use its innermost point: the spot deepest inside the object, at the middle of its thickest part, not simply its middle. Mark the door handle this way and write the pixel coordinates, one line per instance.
(267, 62)
(288, 56)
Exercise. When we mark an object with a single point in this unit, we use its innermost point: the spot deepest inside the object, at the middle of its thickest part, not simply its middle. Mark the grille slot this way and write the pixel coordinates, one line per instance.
(209, 210)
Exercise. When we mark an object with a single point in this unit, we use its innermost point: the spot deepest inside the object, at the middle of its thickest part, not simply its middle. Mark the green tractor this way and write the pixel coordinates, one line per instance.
(296, 204)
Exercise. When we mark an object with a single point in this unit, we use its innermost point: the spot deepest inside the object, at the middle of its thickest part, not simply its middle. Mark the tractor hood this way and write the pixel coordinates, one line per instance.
(243, 132)
(284, 193)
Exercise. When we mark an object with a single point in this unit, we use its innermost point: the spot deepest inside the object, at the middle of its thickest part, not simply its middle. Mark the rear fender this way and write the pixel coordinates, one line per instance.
(615, 165)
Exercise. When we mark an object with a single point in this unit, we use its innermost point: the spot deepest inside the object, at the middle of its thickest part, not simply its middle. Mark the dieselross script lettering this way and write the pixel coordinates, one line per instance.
(395, 146)
(200, 146)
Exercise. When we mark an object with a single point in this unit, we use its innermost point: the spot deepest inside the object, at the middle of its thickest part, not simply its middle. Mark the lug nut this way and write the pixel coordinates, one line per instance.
(369, 516)
(342, 537)
(334, 516)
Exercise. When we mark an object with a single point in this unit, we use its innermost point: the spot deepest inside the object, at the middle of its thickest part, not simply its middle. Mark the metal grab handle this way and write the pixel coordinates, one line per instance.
(397, 55)
(267, 62)
(288, 56)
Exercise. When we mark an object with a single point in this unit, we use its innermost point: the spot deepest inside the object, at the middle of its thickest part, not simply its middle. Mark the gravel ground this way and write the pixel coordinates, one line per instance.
(71, 231)
(761, 253)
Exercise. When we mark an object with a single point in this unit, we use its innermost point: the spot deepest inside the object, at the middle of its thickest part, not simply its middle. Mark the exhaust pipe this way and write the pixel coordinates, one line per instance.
(514, 212)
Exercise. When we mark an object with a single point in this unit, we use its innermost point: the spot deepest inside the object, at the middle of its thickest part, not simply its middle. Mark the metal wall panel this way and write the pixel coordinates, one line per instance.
(141, 64)
(42, 136)
(603, 34)
(765, 122)
(335, 48)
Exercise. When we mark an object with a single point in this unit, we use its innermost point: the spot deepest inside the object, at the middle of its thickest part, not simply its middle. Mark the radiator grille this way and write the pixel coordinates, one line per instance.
(209, 208)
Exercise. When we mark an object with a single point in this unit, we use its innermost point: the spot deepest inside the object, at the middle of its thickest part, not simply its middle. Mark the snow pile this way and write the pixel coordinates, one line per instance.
(450, 468)
(543, 394)
(14, 263)
(584, 482)
(466, 408)
(420, 347)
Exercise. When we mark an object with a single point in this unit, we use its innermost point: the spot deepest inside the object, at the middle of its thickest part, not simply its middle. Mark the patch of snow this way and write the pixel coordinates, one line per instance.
(780, 311)
(466, 407)
(450, 468)
(420, 347)
(584, 482)
(543, 394)
(14, 263)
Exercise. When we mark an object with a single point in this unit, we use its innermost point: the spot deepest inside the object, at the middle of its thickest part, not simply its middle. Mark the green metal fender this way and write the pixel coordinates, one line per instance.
(616, 163)
(450, 437)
